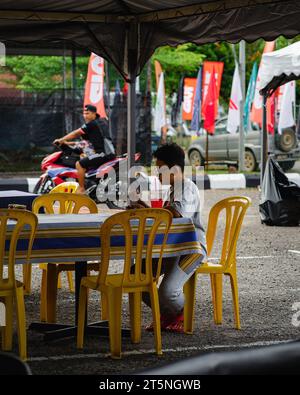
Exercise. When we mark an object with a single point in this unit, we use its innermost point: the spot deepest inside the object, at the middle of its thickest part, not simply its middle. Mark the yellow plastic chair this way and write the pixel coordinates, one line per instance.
(112, 286)
(67, 203)
(65, 187)
(235, 208)
(11, 290)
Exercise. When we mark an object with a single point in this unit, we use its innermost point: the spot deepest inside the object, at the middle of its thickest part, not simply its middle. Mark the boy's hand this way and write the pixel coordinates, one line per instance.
(173, 211)
(58, 141)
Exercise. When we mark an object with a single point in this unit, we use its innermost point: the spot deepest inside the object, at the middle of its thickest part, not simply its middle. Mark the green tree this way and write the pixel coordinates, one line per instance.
(44, 72)
(175, 62)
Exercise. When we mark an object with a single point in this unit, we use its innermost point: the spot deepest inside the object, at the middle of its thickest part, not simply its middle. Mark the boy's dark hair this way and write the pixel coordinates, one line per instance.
(171, 154)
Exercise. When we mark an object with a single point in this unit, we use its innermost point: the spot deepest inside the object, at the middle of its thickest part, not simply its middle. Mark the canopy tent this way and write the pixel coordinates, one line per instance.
(277, 68)
(126, 32)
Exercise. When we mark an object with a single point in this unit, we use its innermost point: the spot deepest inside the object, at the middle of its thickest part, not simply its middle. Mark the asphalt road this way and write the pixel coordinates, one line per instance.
(296, 168)
(269, 288)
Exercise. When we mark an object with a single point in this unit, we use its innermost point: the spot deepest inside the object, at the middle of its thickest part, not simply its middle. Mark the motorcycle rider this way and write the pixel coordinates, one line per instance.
(94, 131)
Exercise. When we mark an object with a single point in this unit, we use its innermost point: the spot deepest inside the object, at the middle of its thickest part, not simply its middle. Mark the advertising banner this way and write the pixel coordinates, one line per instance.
(94, 86)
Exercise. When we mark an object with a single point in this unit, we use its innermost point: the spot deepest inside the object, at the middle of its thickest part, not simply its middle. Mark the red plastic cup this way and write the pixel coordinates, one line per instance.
(157, 203)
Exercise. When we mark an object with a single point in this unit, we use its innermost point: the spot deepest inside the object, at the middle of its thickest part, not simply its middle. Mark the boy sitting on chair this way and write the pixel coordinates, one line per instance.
(182, 202)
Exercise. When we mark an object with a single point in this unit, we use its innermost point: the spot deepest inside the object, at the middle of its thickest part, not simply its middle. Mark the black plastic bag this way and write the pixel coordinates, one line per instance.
(280, 198)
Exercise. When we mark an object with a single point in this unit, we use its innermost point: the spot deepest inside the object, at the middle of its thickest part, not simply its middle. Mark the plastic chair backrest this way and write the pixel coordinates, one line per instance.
(65, 187)
(236, 207)
(134, 225)
(20, 218)
(69, 203)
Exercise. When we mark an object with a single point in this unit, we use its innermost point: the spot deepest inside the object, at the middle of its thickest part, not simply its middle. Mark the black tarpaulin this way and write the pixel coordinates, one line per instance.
(280, 198)
(126, 32)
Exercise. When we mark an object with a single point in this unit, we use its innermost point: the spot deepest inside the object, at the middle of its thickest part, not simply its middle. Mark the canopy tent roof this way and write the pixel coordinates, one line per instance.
(279, 67)
(126, 32)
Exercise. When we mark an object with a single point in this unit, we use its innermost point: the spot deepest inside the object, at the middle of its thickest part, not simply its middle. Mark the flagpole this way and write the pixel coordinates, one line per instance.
(206, 153)
(242, 68)
(106, 65)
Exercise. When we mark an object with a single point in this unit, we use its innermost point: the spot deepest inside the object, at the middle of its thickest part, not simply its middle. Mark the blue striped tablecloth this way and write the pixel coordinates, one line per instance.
(76, 237)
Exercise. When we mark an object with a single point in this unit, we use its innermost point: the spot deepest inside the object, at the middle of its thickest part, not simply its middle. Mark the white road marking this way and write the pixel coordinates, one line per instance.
(294, 251)
(247, 257)
(152, 351)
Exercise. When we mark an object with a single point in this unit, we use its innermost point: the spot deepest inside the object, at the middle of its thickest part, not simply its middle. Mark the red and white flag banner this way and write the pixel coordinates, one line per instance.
(233, 122)
(209, 106)
(208, 68)
(256, 111)
(286, 106)
(189, 90)
(94, 86)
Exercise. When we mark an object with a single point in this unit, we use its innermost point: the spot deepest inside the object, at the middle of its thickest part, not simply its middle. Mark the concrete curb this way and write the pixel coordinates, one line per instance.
(238, 181)
(211, 181)
(20, 184)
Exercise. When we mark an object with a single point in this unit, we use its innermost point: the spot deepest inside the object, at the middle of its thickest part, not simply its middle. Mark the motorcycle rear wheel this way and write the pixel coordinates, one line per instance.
(44, 185)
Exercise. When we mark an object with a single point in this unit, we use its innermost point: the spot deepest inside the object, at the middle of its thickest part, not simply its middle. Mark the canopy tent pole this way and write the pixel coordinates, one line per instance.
(64, 78)
(264, 140)
(131, 57)
(242, 70)
(74, 87)
(131, 120)
(107, 83)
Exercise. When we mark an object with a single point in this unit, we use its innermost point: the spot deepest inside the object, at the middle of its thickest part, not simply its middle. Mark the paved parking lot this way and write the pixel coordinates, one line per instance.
(269, 287)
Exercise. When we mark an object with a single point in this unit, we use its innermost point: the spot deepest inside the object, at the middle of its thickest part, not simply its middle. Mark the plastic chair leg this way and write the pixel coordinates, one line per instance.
(43, 306)
(104, 307)
(135, 302)
(213, 295)
(21, 323)
(156, 318)
(8, 329)
(59, 285)
(70, 281)
(219, 297)
(115, 310)
(189, 290)
(27, 269)
(81, 316)
(235, 297)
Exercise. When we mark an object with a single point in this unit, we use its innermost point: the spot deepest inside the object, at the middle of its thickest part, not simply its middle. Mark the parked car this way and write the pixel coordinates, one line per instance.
(223, 147)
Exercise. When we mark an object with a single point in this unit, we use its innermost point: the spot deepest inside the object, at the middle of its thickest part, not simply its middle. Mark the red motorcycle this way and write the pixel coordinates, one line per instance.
(59, 167)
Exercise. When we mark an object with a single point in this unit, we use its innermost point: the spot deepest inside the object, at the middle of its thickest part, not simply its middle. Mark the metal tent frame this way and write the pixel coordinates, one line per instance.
(126, 32)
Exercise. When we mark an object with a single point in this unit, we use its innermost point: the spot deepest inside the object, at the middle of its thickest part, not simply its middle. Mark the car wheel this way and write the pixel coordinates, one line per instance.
(287, 165)
(250, 163)
(196, 158)
(287, 140)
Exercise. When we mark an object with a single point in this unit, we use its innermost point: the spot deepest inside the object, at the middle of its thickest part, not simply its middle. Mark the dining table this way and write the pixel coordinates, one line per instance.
(17, 197)
(76, 238)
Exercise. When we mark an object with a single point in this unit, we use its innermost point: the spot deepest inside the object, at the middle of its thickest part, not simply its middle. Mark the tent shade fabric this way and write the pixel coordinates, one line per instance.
(279, 67)
(126, 32)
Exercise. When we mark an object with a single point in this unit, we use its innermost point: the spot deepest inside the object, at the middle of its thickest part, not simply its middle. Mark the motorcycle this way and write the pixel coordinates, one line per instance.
(59, 167)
